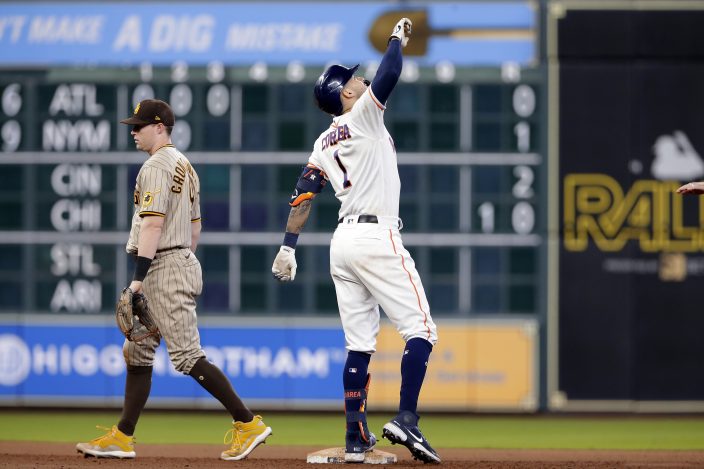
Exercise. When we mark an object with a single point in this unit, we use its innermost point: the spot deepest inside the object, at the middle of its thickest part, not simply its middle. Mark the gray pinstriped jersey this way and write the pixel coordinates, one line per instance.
(167, 186)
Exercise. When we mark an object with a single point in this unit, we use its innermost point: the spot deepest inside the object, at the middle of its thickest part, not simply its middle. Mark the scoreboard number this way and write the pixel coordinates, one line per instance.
(486, 215)
(522, 218)
(11, 99)
(522, 188)
(141, 92)
(11, 131)
(218, 100)
(181, 99)
(11, 134)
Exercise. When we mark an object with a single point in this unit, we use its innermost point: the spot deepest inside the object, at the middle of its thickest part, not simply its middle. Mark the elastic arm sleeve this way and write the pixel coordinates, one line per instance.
(311, 182)
(388, 72)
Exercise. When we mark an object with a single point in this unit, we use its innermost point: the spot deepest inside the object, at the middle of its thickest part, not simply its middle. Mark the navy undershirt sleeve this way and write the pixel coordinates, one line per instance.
(388, 72)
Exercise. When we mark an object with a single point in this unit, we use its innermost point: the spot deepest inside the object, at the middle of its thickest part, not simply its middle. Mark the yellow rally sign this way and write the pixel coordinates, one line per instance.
(477, 366)
(649, 212)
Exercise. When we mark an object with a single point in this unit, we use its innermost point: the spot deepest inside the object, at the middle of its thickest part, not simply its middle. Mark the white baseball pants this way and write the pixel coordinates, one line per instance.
(370, 267)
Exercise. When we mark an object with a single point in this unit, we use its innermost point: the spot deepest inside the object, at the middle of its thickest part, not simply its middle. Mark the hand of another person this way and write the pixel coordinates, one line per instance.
(691, 188)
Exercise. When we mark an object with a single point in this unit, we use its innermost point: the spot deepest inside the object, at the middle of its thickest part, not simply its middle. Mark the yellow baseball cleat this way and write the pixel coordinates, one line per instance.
(114, 444)
(244, 437)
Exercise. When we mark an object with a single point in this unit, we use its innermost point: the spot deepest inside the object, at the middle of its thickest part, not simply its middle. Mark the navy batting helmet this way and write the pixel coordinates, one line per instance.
(329, 86)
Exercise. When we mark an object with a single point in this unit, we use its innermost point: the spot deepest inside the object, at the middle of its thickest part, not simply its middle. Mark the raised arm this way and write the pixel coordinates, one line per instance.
(391, 64)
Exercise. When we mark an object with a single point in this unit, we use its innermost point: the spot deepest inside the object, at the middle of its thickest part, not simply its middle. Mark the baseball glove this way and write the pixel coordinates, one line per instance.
(133, 316)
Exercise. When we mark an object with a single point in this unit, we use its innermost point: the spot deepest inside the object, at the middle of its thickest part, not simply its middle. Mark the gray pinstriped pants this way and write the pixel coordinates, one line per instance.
(174, 281)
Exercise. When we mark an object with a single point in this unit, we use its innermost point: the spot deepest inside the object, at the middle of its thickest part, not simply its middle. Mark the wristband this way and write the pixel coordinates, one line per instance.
(290, 240)
(141, 268)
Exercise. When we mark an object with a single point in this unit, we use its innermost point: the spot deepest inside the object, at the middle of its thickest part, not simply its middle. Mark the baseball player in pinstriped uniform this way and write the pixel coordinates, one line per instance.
(164, 235)
(368, 263)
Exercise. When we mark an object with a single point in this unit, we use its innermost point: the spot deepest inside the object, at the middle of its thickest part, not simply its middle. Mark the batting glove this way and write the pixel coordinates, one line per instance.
(284, 268)
(402, 31)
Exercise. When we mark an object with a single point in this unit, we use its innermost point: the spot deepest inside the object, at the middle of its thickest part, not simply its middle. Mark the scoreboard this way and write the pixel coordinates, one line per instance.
(468, 119)
(470, 155)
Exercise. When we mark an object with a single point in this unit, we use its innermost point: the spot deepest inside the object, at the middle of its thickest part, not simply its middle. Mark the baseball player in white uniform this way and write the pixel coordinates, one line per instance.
(165, 230)
(368, 263)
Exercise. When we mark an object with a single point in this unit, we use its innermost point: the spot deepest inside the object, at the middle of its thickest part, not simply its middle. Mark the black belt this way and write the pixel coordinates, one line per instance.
(362, 219)
(162, 251)
(158, 251)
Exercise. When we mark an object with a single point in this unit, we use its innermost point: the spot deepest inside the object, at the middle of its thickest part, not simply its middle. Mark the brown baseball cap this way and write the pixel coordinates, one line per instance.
(151, 111)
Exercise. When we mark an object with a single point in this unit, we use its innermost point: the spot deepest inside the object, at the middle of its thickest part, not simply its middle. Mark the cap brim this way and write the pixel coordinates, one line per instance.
(134, 120)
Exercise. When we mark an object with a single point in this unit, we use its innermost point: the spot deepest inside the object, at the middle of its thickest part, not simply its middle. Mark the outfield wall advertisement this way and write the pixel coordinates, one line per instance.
(481, 366)
(238, 33)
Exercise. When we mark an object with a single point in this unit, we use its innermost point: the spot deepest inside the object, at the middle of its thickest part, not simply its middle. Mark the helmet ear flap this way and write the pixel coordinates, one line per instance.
(329, 86)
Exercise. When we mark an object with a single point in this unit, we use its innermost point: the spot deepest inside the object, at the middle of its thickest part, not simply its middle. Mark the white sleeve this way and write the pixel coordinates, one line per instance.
(315, 159)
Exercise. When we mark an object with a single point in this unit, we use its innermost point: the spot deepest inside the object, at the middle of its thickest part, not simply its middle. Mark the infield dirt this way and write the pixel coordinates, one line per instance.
(63, 455)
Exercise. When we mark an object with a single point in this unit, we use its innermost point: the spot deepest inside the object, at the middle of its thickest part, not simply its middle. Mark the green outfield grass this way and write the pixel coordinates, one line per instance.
(474, 431)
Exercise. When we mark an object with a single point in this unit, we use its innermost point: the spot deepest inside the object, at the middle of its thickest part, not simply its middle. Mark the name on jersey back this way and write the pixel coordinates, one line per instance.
(336, 135)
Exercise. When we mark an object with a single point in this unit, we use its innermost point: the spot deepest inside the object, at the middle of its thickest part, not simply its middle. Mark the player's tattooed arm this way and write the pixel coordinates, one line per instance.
(284, 267)
(298, 216)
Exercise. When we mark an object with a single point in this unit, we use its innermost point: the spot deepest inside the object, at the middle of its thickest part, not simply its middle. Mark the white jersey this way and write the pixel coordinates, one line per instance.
(368, 262)
(358, 157)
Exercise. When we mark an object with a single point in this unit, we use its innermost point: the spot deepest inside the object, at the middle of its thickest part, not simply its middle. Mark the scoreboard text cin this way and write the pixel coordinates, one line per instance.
(79, 287)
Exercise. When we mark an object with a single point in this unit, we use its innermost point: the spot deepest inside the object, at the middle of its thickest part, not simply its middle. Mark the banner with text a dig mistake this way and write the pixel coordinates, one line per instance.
(244, 33)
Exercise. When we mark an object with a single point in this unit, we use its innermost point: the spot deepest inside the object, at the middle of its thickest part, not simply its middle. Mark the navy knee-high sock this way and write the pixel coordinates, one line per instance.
(413, 366)
(354, 377)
